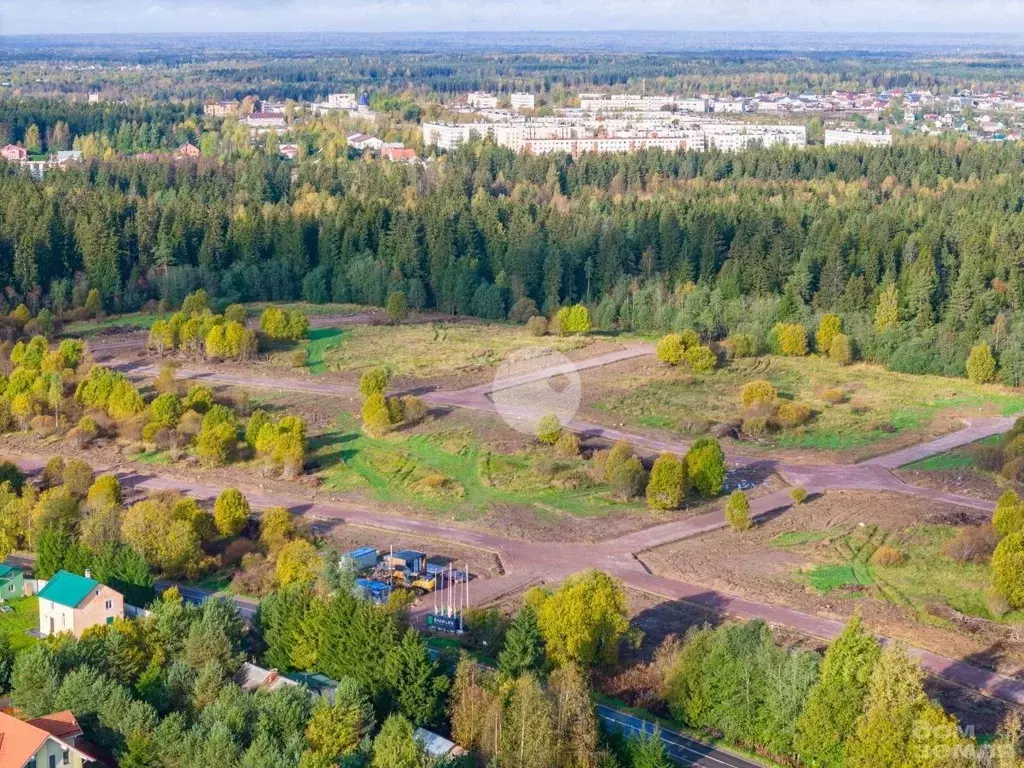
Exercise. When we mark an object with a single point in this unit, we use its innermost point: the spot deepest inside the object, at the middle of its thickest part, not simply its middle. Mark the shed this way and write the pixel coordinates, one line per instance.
(377, 591)
(438, 564)
(437, 746)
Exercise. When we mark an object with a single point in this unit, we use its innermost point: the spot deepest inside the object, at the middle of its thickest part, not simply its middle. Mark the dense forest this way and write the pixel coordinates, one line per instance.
(714, 242)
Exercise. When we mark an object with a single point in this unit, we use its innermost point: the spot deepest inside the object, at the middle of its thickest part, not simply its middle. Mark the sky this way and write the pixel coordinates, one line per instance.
(149, 16)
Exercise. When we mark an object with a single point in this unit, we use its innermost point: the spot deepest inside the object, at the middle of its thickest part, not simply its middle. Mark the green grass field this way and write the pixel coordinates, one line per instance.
(423, 351)
(24, 617)
(878, 403)
(86, 328)
(961, 458)
(451, 471)
(924, 579)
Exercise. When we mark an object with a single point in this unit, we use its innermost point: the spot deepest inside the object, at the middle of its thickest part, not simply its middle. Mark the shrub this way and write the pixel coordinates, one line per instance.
(670, 349)
(887, 557)
(397, 306)
(165, 380)
(1008, 569)
(190, 424)
(125, 400)
(104, 493)
(705, 466)
(256, 422)
(376, 418)
(231, 512)
(701, 359)
(757, 426)
(798, 495)
(840, 351)
(53, 472)
(549, 429)
(199, 398)
(1014, 470)
(573, 320)
(568, 445)
(77, 477)
(997, 605)
(523, 309)
(666, 488)
(1008, 516)
(616, 455)
(414, 409)
(85, 432)
(396, 414)
(628, 477)
(166, 410)
(789, 339)
(743, 345)
(790, 414)
(214, 445)
(829, 327)
(690, 338)
(537, 325)
(759, 392)
(737, 511)
(374, 381)
(235, 313)
(981, 365)
(972, 544)
(833, 396)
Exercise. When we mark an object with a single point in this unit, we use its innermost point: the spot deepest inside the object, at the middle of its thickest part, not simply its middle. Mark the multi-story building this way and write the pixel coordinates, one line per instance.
(341, 101)
(482, 100)
(522, 101)
(732, 137)
(449, 136)
(73, 603)
(221, 108)
(836, 138)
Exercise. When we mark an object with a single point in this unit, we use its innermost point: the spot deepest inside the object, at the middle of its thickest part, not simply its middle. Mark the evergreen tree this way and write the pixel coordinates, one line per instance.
(523, 650)
(417, 684)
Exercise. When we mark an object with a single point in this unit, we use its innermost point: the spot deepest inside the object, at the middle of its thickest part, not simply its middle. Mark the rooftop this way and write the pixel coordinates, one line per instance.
(67, 589)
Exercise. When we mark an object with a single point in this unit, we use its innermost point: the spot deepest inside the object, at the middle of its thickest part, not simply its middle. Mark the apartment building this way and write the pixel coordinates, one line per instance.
(838, 138)
(522, 101)
(482, 100)
(341, 101)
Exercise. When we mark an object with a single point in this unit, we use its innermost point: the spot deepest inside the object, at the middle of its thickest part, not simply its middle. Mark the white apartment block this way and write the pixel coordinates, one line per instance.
(448, 136)
(482, 100)
(599, 102)
(341, 101)
(522, 101)
(837, 138)
(732, 137)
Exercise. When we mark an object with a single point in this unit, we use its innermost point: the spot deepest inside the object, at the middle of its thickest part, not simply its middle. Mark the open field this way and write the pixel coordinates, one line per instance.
(451, 470)
(880, 409)
(956, 471)
(817, 558)
(465, 352)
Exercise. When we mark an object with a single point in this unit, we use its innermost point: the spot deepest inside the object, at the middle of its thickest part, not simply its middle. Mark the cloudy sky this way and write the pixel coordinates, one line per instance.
(69, 16)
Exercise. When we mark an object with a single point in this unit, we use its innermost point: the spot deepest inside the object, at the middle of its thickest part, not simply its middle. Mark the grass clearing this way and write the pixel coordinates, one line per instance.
(86, 328)
(925, 582)
(24, 617)
(878, 403)
(425, 351)
(451, 471)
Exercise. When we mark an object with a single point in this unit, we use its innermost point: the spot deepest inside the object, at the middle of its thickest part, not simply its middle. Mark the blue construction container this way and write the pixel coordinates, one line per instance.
(377, 591)
(362, 558)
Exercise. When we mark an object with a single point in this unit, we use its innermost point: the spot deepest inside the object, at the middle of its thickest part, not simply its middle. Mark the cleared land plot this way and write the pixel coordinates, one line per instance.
(452, 471)
(818, 558)
(464, 352)
(880, 409)
(957, 472)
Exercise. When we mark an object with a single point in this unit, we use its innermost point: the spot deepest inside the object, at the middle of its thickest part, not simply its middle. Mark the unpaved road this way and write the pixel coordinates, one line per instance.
(530, 562)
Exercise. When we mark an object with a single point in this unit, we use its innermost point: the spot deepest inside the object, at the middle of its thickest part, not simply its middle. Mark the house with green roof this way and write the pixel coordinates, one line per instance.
(12, 582)
(73, 603)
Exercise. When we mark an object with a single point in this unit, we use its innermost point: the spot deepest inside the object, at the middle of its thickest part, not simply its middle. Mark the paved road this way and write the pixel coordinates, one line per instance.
(681, 749)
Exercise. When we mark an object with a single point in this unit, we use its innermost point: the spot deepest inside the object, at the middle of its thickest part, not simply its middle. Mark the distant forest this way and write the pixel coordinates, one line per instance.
(652, 241)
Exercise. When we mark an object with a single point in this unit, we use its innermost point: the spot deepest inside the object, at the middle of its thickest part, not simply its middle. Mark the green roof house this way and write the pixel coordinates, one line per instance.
(12, 582)
(73, 603)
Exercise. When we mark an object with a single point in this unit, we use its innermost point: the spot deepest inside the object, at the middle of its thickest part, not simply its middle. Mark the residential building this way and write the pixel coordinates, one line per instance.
(289, 151)
(449, 136)
(12, 582)
(221, 108)
(188, 149)
(363, 141)
(482, 100)
(265, 120)
(341, 101)
(14, 153)
(836, 138)
(44, 742)
(398, 153)
(251, 678)
(94, 98)
(66, 156)
(73, 603)
(522, 101)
